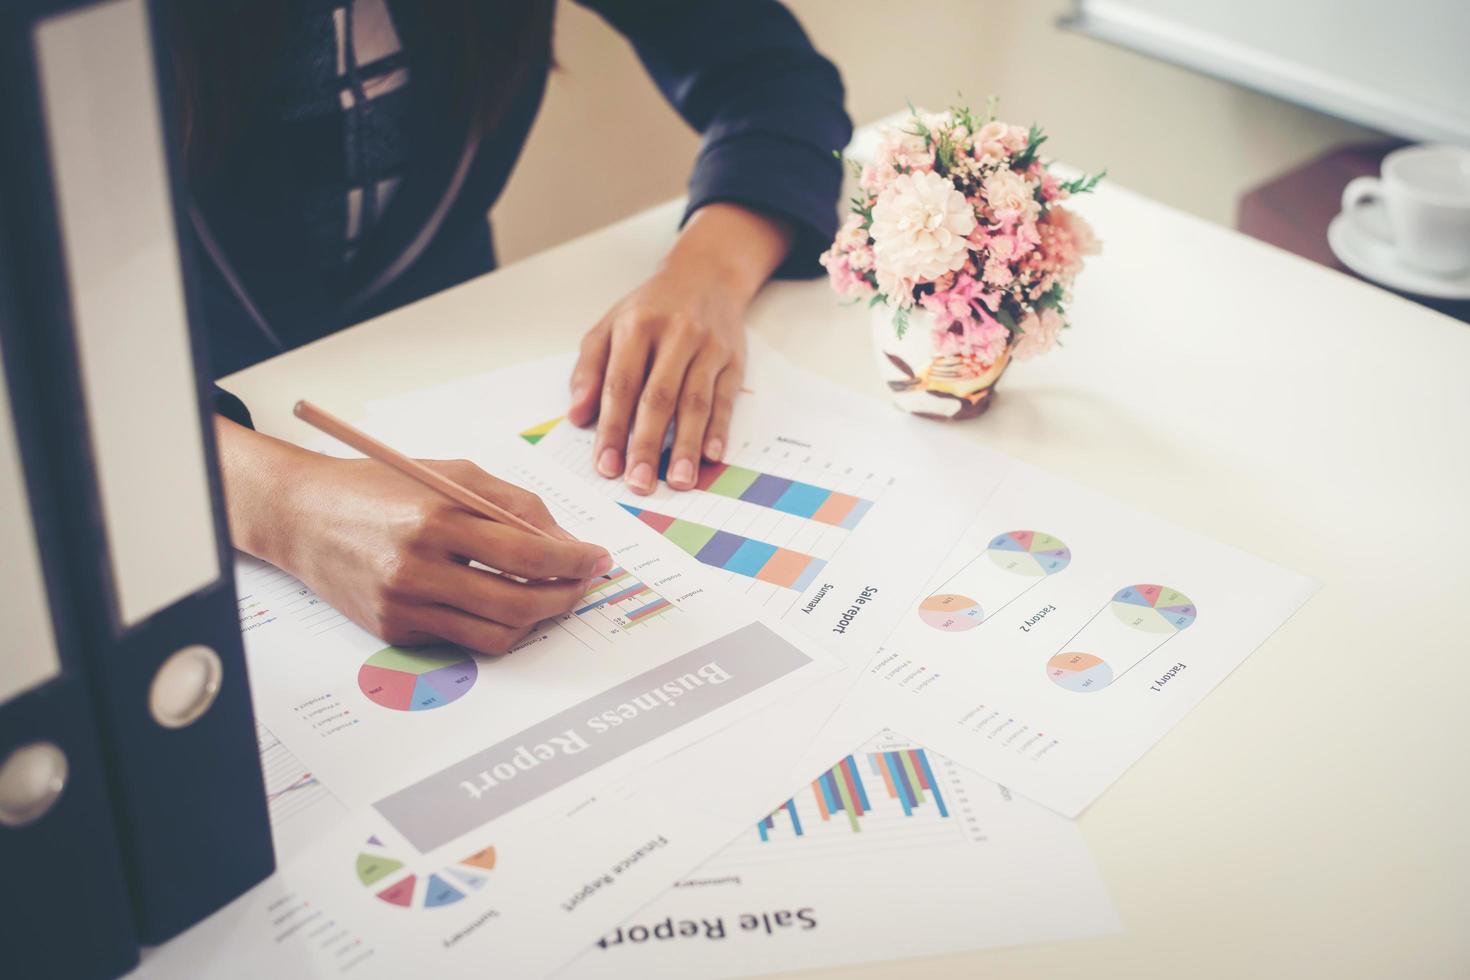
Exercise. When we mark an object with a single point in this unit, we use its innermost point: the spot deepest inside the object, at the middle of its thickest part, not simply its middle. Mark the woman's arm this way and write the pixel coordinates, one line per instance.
(393, 555)
(762, 201)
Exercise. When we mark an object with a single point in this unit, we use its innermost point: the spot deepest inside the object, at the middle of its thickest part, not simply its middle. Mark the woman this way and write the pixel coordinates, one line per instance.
(342, 157)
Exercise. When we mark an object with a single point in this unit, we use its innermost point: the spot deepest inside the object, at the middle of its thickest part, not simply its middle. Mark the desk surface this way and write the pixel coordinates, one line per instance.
(1309, 818)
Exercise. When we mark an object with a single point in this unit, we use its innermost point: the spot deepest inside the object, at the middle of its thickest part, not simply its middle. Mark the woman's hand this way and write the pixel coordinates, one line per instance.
(393, 555)
(673, 350)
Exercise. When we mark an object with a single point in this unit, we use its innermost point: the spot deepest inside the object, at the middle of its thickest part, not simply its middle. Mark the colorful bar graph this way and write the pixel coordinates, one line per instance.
(907, 776)
(618, 592)
(741, 555)
(776, 492)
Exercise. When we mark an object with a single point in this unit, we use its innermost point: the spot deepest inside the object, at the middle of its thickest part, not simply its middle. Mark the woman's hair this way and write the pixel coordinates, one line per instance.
(223, 51)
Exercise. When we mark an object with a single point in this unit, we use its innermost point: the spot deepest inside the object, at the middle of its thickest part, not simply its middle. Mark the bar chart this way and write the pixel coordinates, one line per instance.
(614, 605)
(771, 516)
(734, 552)
(890, 795)
(621, 601)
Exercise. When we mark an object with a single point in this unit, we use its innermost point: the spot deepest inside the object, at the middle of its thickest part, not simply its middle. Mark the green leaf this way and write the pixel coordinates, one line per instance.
(900, 321)
(1034, 139)
(877, 298)
(1084, 184)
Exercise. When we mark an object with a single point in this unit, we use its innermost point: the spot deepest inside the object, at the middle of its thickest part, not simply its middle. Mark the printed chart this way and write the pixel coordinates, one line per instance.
(733, 552)
(771, 516)
(1002, 573)
(265, 594)
(621, 602)
(905, 774)
(891, 795)
(392, 881)
(1145, 617)
(419, 679)
(300, 807)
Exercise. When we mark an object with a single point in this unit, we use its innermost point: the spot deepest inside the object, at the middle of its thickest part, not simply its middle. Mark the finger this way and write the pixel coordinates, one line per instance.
(626, 368)
(587, 375)
(656, 408)
(460, 534)
(519, 501)
(695, 401)
(495, 597)
(717, 433)
(472, 632)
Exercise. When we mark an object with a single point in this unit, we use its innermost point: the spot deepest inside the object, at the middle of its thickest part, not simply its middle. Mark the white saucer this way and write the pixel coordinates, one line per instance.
(1374, 258)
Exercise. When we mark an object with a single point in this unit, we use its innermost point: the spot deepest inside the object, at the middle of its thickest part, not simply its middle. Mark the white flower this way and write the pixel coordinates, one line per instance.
(920, 223)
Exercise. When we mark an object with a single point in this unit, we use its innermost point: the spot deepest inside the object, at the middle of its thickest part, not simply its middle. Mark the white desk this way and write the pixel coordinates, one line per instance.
(1309, 819)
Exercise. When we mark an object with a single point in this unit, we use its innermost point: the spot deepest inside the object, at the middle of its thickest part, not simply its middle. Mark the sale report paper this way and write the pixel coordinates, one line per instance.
(893, 851)
(478, 816)
(826, 511)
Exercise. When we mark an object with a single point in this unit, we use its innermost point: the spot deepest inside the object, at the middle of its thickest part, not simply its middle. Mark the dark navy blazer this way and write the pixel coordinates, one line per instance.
(741, 72)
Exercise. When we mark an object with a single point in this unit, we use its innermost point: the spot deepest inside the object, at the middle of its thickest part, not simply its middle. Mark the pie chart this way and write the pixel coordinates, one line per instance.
(951, 612)
(1033, 553)
(1154, 608)
(1079, 672)
(417, 680)
(394, 883)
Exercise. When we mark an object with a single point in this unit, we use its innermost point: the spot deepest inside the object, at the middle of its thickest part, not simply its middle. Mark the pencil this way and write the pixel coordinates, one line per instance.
(321, 419)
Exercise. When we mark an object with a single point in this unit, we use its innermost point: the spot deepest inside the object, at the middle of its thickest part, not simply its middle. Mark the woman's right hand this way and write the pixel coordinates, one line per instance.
(393, 555)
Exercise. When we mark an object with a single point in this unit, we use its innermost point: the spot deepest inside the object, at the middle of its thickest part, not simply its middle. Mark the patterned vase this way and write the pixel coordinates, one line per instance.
(924, 381)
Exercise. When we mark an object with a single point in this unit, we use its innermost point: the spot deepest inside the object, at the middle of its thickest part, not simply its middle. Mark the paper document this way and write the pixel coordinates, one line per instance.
(892, 852)
(1067, 634)
(476, 805)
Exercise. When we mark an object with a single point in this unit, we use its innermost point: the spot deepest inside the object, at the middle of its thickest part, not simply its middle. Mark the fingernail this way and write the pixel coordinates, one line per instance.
(681, 474)
(715, 448)
(641, 478)
(602, 566)
(578, 394)
(609, 463)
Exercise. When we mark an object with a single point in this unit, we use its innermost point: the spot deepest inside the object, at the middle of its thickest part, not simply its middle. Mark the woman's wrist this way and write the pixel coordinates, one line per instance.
(261, 475)
(728, 248)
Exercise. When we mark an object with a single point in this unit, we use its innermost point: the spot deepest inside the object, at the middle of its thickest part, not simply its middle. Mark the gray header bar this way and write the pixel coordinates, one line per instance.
(574, 742)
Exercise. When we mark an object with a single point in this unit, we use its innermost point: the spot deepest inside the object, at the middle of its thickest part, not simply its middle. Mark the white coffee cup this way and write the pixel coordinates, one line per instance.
(1426, 192)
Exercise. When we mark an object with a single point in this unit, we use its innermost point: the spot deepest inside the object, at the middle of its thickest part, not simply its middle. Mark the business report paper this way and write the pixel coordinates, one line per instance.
(477, 802)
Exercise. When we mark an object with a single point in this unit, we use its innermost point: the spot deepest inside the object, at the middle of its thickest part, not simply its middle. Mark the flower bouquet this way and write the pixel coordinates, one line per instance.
(957, 240)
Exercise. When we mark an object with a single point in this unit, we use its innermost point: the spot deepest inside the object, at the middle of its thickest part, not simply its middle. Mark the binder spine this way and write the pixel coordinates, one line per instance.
(184, 776)
(69, 915)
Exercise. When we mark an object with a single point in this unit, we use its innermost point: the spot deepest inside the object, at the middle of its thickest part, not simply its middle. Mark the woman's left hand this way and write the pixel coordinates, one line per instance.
(673, 350)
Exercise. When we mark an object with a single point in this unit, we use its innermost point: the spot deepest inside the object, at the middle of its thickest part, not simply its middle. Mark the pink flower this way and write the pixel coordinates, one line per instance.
(1037, 334)
(1010, 198)
(990, 141)
(1051, 188)
(851, 234)
(900, 151)
(1064, 237)
(997, 273)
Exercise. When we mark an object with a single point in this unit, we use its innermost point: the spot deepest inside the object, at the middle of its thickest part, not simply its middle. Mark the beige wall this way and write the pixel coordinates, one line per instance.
(607, 145)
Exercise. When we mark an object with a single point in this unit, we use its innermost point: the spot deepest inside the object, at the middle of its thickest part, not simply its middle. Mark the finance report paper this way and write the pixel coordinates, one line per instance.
(475, 809)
